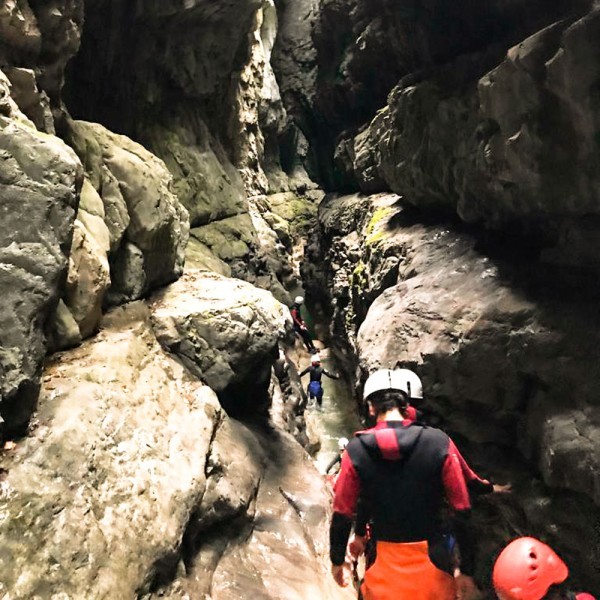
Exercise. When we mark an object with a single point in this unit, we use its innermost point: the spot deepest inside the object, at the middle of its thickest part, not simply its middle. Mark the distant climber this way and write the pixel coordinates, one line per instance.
(404, 472)
(528, 569)
(315, 389)
(299, 324)
(337, 459)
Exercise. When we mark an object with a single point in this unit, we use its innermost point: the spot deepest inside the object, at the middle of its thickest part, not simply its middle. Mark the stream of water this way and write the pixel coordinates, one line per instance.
(337, 418)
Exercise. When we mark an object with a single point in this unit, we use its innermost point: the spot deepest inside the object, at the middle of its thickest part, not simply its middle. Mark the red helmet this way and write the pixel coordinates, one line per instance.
(525, 570)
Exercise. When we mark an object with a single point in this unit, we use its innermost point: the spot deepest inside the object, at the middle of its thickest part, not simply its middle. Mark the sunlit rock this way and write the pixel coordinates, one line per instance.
(226, 332)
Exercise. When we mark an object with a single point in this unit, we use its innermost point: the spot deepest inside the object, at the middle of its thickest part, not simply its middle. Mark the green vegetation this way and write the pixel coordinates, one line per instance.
(375, 228)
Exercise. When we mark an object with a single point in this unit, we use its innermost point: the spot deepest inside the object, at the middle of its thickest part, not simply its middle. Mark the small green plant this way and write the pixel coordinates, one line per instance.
(375, 232)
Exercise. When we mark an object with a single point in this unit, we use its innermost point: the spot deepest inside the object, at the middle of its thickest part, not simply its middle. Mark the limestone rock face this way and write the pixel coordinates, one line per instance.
(145, 227)
(42, 36)
(134, 482)
(502, 133)
(226, 332)
(40, 179)
(205, 181)
(505, 364)
(115, 466)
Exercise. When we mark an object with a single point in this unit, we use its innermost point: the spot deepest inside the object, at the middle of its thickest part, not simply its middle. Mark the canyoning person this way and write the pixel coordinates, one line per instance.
(527, 569)
(316, 371)
(404, 473)
(300, 326)
(337, 459)
(362, 541)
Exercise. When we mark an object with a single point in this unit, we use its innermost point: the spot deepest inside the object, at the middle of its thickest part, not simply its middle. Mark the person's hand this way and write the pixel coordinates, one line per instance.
(466, 588)
(357, 546)
(503, 489)
(340, 575)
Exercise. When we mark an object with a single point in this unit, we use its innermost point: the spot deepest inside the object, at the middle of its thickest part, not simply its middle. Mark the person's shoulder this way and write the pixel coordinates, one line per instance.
(432, 433)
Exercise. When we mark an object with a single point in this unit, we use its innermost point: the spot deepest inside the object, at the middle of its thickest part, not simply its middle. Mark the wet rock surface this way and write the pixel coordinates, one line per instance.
(505, 365)
(98, 497)
(134, 482)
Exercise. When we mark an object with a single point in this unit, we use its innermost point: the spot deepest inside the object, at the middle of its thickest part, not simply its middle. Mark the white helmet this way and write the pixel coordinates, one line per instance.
(315, 358)
(402, 380)
(298, 299)
(342, 443)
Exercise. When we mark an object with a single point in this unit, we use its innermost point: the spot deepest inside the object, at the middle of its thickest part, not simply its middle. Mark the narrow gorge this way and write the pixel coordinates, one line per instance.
(174, 172)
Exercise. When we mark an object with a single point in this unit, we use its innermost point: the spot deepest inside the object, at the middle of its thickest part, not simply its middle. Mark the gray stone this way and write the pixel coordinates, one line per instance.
(199, 256)
(64, 330)
(140, 210)
(205, 182)
(99, 495)
(39, 184)
(226, 332)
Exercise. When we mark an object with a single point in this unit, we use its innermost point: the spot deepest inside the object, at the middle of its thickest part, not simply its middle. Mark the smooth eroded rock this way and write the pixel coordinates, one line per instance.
(226, 332)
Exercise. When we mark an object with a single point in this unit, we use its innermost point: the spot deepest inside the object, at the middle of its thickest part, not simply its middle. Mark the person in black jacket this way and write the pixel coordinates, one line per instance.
(300, 326)
(405, 473)
(315, 389)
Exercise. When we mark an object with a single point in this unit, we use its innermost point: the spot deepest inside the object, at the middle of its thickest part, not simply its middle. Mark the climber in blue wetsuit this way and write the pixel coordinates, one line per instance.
(315, 389)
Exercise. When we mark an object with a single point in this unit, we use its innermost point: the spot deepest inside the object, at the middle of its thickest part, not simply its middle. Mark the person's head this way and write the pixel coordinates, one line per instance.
(342, 443)
(299, 300)
(387, 389)
(526, 569)
(315, 360)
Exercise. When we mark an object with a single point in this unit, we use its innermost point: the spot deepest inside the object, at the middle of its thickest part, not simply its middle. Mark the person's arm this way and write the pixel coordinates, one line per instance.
(359, 542)
(304, 372)
(347, 491)
(457, 494)
(297, 318)
(330, 375)
(475, 484)
(333, 462)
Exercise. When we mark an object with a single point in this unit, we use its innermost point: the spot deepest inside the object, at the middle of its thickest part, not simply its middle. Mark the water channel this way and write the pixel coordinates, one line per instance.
(338, 416)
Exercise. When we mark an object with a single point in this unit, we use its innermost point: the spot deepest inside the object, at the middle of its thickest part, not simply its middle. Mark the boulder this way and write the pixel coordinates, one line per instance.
(148, 227)
(40, 178)
(97, 498)
(226, 332)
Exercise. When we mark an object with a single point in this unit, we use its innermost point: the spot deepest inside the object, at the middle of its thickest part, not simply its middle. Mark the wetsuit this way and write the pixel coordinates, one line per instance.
(300, 327)
(404, 472)
(315, 389)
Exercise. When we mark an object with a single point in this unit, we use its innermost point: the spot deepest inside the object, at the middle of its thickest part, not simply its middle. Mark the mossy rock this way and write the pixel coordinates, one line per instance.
(228, 239)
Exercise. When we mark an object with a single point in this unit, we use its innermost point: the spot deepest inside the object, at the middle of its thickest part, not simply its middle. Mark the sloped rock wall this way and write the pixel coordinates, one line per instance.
(134, 482)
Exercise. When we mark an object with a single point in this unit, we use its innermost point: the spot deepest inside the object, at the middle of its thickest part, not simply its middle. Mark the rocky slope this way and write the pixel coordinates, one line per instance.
(135, 483)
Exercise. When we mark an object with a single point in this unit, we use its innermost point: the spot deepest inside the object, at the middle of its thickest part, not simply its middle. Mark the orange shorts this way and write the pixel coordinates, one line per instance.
(404, 572)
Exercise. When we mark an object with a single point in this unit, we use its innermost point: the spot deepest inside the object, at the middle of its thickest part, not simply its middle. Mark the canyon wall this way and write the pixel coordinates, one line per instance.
(139, 139)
